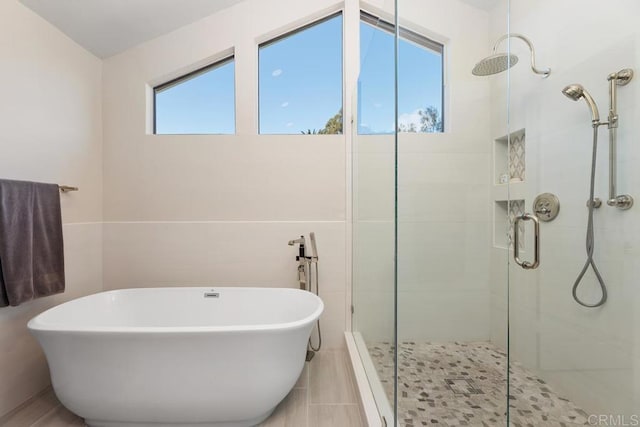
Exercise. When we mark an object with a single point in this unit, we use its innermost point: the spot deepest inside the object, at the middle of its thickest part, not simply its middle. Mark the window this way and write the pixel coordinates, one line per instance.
(202, 102)
(420, 80)
(300, 80)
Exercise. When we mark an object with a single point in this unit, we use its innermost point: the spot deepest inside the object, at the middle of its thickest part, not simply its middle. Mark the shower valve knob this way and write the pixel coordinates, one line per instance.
(546, 207)
(543, 211)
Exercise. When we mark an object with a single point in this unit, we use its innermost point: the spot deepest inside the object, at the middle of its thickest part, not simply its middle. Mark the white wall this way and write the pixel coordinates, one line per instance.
(219, 210)
(443, 193)
(50, 119)
(589, 355)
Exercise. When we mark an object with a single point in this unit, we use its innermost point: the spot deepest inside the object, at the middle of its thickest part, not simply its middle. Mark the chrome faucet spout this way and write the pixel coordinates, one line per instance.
(297, 241)
(301, 248)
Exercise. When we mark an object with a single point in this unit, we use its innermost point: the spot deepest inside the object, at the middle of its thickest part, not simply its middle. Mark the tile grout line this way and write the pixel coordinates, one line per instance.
(308, 392)
(21, 407)
(55, 408)
(217, 221)
(333, 404)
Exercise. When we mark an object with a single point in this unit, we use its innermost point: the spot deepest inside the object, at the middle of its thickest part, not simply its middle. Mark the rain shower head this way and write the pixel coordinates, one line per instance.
(575, 92)
(494, 64)
(499, 62)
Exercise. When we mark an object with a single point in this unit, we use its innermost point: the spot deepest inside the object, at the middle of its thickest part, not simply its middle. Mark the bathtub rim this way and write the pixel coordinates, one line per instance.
(37, 325)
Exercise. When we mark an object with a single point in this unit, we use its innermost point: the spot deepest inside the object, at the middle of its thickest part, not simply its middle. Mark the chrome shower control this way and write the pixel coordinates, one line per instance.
(596, 203)
(622, 202)
(546, 207)
(622, 77)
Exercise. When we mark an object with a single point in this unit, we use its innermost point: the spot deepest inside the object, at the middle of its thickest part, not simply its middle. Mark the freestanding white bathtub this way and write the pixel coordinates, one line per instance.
(175, 357)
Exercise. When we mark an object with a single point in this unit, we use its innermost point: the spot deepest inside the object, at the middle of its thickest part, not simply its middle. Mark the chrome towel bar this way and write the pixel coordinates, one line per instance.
(67, 188)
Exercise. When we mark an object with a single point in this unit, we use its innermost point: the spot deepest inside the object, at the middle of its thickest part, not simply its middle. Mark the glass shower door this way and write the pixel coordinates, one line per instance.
(573, 335)
(475, 273)
(452, 217)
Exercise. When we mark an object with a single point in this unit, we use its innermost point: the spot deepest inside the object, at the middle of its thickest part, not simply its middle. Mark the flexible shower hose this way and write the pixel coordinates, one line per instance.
(590, 239)
(318, 321)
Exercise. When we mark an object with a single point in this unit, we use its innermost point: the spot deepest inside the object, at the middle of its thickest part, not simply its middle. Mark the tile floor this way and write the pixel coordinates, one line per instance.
(324, 396)
(464, 384)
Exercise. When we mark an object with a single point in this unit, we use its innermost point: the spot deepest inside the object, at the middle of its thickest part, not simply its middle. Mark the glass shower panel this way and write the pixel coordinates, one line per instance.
(452, 217)
(572, 363)
(373, 176)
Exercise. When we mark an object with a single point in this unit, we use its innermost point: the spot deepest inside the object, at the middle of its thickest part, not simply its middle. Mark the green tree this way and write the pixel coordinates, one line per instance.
(430, 120)
(333, 125)
(411, 127)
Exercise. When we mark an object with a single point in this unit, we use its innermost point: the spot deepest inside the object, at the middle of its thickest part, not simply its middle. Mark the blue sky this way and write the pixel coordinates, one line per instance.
(202, 105)
(300, 86)
(420, 80)
(300, 79)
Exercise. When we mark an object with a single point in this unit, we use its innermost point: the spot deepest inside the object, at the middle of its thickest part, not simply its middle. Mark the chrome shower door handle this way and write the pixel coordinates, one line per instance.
(536, 241)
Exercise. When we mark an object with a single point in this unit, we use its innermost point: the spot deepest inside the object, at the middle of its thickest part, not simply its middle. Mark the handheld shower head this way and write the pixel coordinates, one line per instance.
(314, 247)
(575, 92)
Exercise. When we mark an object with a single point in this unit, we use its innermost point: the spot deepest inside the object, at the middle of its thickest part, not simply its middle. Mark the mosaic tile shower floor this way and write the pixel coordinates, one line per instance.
(464, 384)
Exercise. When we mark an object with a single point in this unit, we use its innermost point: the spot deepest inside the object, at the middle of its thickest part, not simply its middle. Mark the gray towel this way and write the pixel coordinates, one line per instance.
(31, 246)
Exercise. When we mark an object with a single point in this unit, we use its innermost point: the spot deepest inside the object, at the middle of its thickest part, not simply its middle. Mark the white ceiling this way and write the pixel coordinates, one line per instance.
(483, 4)
(107, 27)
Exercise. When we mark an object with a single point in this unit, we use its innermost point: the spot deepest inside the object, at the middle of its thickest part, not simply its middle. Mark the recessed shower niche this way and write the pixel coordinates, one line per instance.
(509, 167)
(509, 158)
(504, 215)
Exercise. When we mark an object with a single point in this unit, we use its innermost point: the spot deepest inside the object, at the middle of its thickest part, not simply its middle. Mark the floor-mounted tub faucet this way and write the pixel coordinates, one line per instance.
(302, 261)
(305, 278)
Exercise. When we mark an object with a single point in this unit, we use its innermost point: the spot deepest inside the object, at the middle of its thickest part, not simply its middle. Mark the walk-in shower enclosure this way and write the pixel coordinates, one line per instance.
(450, 328)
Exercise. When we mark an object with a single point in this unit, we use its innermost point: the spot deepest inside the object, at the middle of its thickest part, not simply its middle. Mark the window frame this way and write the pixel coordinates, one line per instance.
(289, 33)
(415, 38)
(189, 76)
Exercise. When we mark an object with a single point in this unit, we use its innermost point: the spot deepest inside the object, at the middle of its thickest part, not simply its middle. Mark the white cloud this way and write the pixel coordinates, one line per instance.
(284, 104)
(408, 119)
(276, 72)
(290, 124)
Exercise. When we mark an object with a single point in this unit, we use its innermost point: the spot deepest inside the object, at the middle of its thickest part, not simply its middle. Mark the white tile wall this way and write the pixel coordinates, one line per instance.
(218, 253)
(373, 278)
(588, 354)
(52, 132)
(443, 200)
(211, 177)
(443, 256)
(184, 210)
(443, 315)
(225, 253)
(24, 368)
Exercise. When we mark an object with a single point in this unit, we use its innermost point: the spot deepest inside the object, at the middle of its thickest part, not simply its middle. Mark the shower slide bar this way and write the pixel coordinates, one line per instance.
(621, 78)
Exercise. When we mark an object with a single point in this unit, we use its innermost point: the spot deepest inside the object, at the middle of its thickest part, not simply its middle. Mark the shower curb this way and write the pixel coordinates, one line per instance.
(368, 408)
